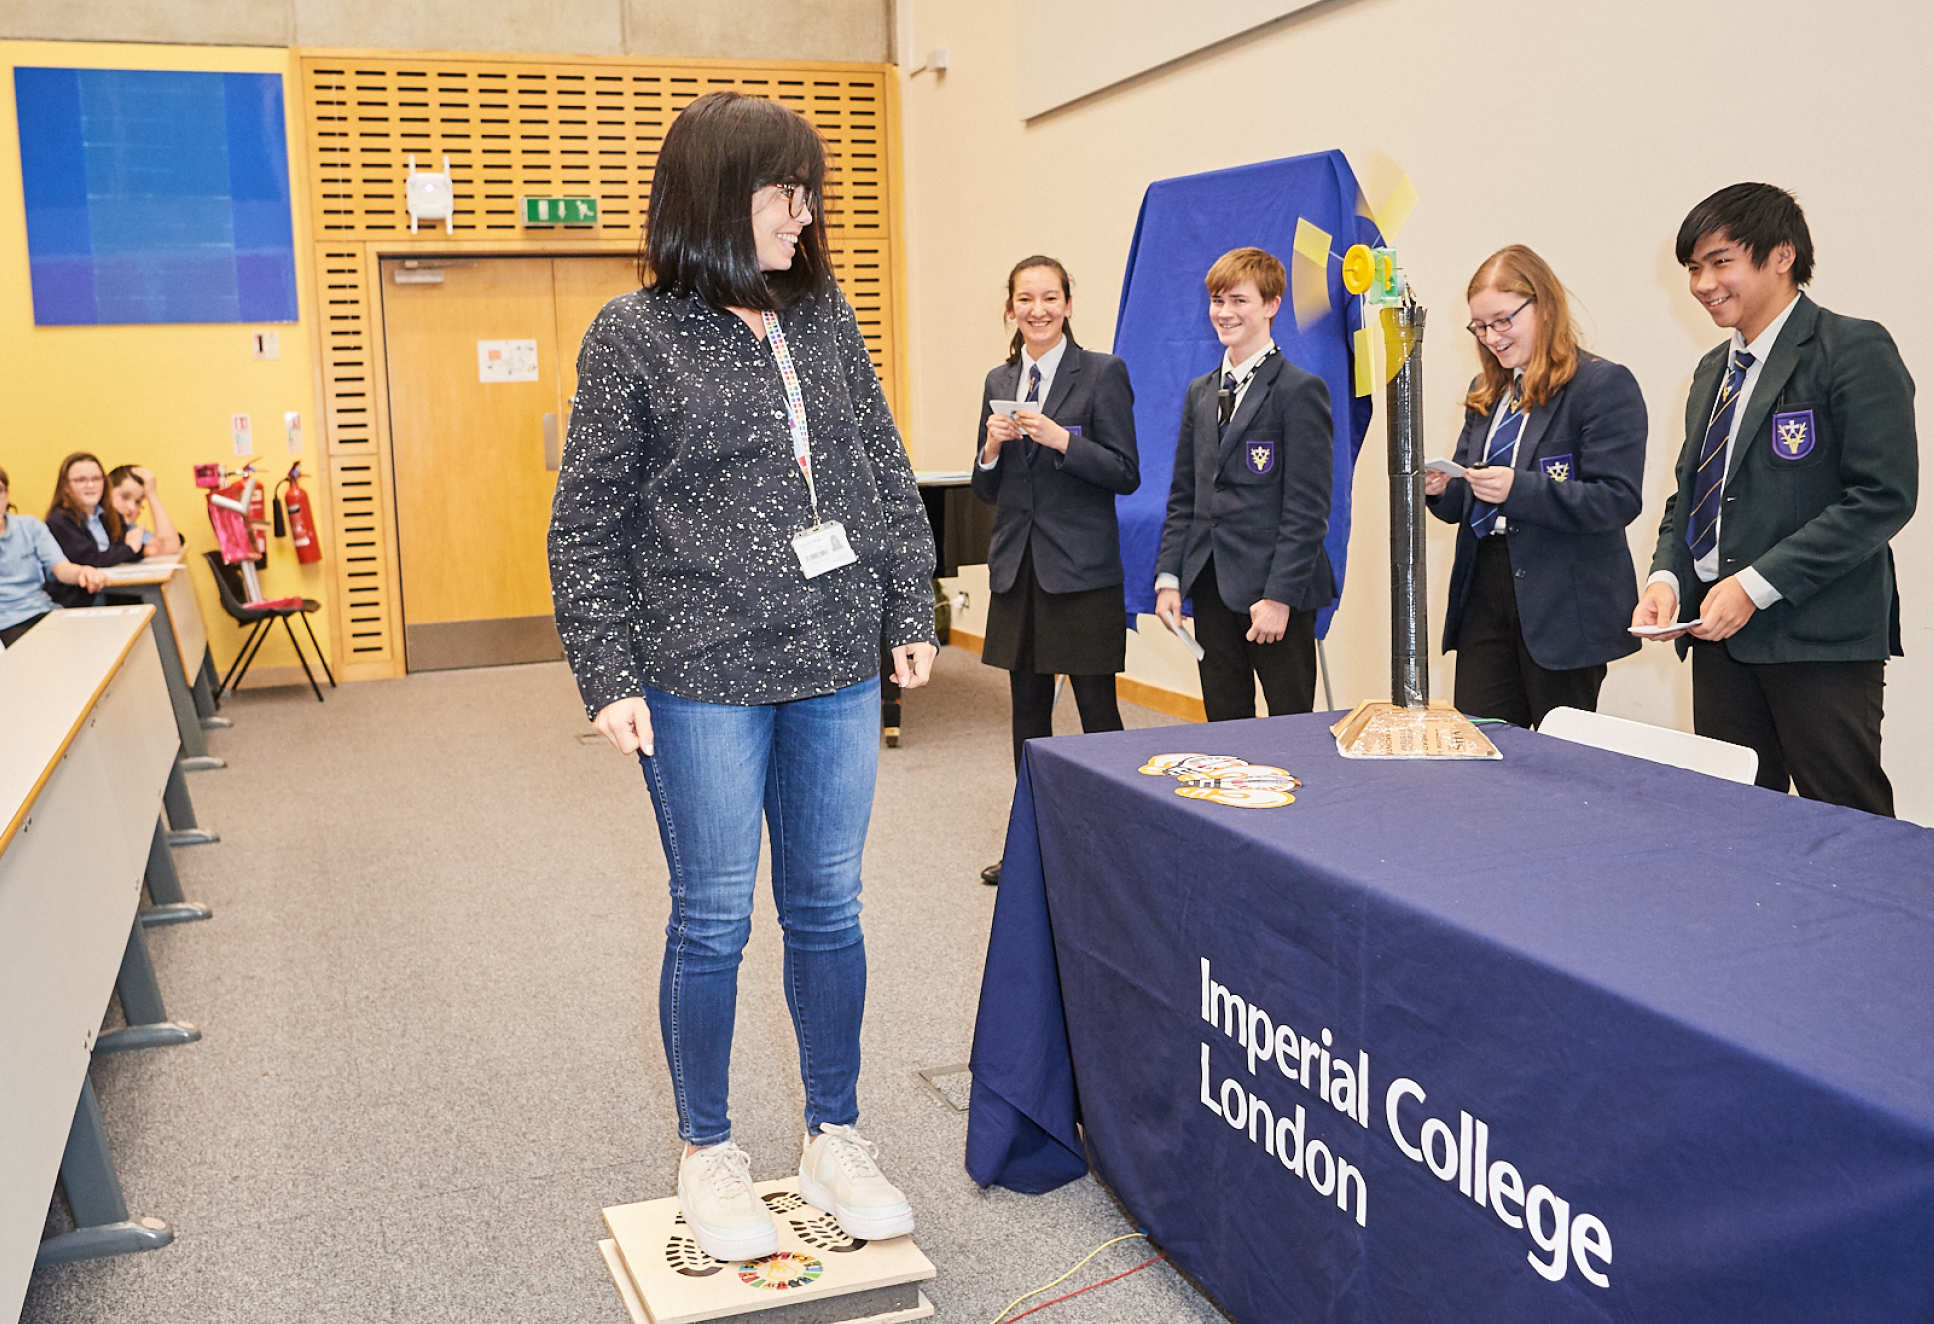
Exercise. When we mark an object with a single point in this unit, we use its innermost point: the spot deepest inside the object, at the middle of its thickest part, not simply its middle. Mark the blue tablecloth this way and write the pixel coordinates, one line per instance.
(1683, 1025)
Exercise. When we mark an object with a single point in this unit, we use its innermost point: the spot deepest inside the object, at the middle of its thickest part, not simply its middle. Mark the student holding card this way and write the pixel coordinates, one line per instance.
(1542, 589)
(1249, 504)
(1799, 464)
(1056, 447)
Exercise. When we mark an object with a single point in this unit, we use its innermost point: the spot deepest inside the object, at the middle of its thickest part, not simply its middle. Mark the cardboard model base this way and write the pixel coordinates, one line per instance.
(818, 1276)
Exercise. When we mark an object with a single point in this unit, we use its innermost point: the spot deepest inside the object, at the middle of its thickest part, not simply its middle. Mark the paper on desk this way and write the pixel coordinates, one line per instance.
(1450, 467)
(146, 569)
(1188, 640)
(1654, 631)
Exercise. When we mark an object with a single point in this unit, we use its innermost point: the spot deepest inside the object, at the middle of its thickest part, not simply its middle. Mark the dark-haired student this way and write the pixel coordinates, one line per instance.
(1052, 470)
(1249, 504)
(735, 536)
(1542, 588)
(30, 559)
(129, 488)
(86, 525)
(1800, 463)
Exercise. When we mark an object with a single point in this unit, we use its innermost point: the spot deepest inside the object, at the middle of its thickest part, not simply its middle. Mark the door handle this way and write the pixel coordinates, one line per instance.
(553, 457)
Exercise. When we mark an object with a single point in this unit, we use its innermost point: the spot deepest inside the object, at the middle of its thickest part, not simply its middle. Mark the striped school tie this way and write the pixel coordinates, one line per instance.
(1225, 404)
(1702, 529)
(1033, 397)
(1484, 515)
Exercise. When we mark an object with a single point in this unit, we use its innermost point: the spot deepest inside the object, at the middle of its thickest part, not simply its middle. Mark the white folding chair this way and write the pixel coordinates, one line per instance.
(1680, 749)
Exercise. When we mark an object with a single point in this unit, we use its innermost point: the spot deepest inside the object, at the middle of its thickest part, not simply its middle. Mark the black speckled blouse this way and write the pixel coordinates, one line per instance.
(671, 532)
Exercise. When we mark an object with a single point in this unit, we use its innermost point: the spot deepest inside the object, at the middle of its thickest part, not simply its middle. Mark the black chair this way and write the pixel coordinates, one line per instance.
(260, 622)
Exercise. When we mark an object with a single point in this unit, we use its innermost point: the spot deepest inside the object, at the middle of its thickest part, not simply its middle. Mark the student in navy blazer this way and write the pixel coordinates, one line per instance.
(1052, 469)
(1800, 464)
(1542, 589)
(1249, 504)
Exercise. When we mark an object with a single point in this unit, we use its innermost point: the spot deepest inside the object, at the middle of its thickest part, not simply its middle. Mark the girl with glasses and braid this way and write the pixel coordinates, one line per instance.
(1553, 446)
(1056, 447)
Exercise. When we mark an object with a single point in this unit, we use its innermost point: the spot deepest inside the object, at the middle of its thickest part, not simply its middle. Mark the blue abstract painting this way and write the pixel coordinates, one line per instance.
(155, 196)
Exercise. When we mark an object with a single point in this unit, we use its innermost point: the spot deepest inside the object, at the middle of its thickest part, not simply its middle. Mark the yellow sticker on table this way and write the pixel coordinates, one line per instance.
(1226, 779)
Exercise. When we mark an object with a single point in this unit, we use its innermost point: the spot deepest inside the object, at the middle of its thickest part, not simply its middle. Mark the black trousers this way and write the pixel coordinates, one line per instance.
(1495, 674)
(1033, 694)
(1815, 723)
(12, 632)
(1231, 665)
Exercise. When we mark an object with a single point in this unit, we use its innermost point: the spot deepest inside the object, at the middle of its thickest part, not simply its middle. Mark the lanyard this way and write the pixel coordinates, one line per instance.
(1254, 368)
(802, 452)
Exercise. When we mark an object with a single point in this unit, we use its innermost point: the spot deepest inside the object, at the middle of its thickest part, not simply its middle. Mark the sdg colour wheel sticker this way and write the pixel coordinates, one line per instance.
(781, 1272)
(1226, 779)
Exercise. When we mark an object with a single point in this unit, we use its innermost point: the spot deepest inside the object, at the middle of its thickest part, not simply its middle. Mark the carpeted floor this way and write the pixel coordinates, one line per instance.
(431, 1051)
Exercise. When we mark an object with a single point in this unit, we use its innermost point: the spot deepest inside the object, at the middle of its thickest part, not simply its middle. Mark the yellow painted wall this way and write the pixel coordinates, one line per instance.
(159, 395)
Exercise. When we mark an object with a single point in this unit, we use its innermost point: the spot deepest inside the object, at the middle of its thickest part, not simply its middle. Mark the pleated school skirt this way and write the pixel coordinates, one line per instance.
(1072, 634)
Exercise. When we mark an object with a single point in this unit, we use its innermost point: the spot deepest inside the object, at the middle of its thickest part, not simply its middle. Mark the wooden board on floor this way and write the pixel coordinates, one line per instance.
(666, 1279)
(636, 1308)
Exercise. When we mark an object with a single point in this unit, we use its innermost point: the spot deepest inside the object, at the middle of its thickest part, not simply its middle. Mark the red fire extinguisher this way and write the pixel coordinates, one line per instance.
(302, 517)
(258, 519)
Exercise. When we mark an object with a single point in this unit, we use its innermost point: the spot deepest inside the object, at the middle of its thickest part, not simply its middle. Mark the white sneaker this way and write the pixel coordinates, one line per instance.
(725, 1214)
(837, 1173)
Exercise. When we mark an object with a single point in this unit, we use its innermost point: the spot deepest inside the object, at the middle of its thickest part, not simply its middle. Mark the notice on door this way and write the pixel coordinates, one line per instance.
(506, 360)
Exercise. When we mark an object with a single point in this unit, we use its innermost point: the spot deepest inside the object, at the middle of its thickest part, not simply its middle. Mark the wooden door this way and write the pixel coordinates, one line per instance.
(583, 285)
(478, 368)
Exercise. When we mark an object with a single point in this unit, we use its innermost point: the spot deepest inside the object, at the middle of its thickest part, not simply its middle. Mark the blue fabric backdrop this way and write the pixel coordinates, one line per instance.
(1163, 330)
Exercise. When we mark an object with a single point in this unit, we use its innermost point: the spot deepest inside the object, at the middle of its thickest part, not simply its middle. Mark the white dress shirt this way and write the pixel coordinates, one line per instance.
(1047, 363)
(1757, 587)
(1244, 372)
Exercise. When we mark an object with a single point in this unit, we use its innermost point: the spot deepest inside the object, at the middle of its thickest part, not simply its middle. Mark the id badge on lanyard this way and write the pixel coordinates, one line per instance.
(822, 547)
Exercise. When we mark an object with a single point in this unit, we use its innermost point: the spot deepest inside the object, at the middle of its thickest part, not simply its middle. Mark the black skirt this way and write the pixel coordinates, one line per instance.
(1070, 634)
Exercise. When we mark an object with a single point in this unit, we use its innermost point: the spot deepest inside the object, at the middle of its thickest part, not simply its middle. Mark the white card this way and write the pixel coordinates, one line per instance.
(1451, 467)
(1188, 640)
(1654, 631)
(1013, 407)
(823, 548)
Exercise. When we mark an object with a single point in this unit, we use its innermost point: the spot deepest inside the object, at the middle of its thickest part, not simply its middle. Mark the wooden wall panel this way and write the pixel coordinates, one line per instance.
(512, 126)
(515, 128)
(367, 615)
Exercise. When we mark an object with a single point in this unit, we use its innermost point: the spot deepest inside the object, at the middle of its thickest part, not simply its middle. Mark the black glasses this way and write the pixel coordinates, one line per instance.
(1500, 325)
(799, 198)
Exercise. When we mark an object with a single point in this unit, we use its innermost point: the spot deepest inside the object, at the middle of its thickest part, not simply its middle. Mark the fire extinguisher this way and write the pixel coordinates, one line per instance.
(302, 517)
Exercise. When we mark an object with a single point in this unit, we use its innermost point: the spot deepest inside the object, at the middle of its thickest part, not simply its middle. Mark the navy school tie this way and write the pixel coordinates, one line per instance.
(1484, 515)
(1225, 404)
(1709, 480)
(1033, 397)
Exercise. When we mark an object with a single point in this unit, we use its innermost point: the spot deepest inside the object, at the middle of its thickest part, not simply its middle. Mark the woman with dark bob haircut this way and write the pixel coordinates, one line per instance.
(736, 534)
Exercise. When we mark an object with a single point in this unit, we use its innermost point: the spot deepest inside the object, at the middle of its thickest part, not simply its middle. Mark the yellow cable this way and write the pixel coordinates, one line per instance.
(1064, 1277)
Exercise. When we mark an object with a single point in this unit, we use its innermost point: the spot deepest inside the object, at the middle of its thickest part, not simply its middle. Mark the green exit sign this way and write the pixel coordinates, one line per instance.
(560, 211)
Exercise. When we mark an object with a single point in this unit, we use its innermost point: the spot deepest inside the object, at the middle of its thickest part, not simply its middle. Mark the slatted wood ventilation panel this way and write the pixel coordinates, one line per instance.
(513, 129)
(510, 128)
(358, 490)
(352, 384)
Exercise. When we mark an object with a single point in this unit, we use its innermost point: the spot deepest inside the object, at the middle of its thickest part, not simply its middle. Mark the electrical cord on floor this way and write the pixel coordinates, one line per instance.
(1004, 1318)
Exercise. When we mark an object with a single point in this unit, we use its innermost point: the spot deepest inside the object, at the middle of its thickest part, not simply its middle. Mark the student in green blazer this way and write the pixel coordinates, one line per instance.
(1799, 464)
